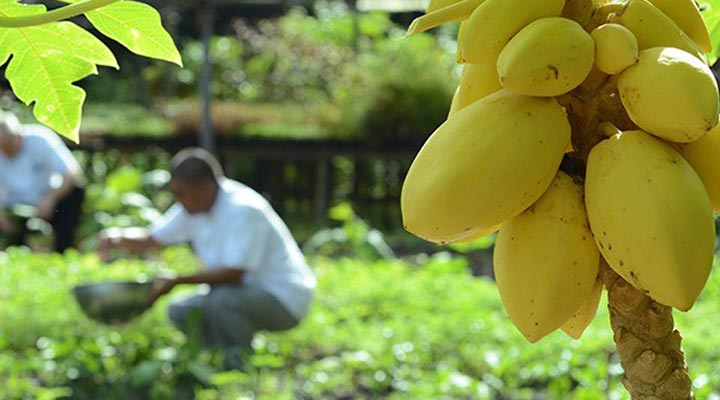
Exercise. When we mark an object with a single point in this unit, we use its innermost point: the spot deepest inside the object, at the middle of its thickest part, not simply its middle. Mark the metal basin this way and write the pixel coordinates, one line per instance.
(113, 302)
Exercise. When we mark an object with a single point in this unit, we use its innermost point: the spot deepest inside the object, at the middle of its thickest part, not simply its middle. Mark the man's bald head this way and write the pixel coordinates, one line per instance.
(9, 124)
(9, 134)
(194, 179)
(195, 166)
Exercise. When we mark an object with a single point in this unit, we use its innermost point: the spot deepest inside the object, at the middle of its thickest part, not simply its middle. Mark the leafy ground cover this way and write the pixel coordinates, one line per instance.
(419, 328)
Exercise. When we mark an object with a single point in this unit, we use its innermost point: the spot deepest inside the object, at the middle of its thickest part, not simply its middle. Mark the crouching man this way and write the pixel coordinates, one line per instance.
(38, 170)
(258, 277)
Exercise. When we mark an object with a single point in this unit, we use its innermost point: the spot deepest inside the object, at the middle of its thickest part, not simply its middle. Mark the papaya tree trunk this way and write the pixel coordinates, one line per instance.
(647, 342)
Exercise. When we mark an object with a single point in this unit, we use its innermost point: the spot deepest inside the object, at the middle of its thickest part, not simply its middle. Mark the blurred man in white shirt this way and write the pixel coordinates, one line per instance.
(258, 275)
(38, 170)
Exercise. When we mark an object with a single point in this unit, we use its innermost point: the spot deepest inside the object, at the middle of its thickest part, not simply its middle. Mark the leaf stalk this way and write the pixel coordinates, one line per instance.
(57, 14)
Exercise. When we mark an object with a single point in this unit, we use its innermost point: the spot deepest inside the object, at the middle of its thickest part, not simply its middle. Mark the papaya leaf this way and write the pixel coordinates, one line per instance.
(711, 15)
(44, 62)
(136, 26)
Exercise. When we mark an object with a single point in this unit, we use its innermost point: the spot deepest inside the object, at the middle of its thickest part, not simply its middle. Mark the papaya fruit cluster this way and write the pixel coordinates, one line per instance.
(580, 129)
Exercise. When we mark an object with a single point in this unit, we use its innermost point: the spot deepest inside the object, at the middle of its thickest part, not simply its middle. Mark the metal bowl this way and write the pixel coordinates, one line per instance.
(113, 302)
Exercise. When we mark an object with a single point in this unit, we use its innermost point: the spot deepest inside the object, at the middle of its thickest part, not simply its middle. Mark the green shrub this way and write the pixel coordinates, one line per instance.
(400, 90)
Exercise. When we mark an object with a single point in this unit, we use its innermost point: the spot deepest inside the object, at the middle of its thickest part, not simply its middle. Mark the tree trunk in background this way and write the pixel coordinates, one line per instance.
(206, 16)
(647, 342)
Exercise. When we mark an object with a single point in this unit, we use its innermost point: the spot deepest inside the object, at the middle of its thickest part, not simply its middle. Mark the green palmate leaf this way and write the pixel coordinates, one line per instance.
(45, 61)
(136, 26)
(711, 15)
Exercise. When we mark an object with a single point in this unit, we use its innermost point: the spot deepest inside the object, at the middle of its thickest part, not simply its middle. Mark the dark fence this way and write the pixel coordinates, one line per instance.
(302, 178)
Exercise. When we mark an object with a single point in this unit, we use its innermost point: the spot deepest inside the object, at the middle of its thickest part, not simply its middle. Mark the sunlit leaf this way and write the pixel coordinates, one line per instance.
(136, 26)
(44, 62)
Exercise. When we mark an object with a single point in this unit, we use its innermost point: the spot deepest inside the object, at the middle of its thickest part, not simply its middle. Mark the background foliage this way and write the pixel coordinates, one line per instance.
(331, 74)
(345, 73)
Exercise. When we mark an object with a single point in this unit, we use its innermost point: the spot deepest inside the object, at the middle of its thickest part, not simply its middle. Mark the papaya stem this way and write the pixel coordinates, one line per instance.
(647, 342)
(57, 14)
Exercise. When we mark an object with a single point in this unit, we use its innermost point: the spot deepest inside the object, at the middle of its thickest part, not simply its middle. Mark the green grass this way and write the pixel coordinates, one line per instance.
(414, 329)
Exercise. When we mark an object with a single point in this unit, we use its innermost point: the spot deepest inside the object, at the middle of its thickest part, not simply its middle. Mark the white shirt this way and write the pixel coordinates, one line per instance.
(36, 169)
(242, 231)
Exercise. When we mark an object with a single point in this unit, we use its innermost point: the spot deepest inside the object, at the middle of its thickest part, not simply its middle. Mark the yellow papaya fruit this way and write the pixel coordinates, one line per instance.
(549, 57)
(486, 163)
(651, 217)
(687, 17)
(616, 48)
(704, 156)
(545, 260)
(494, 22)
(583, 316)
(670, 94)
(476, 82)
(653, 28)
